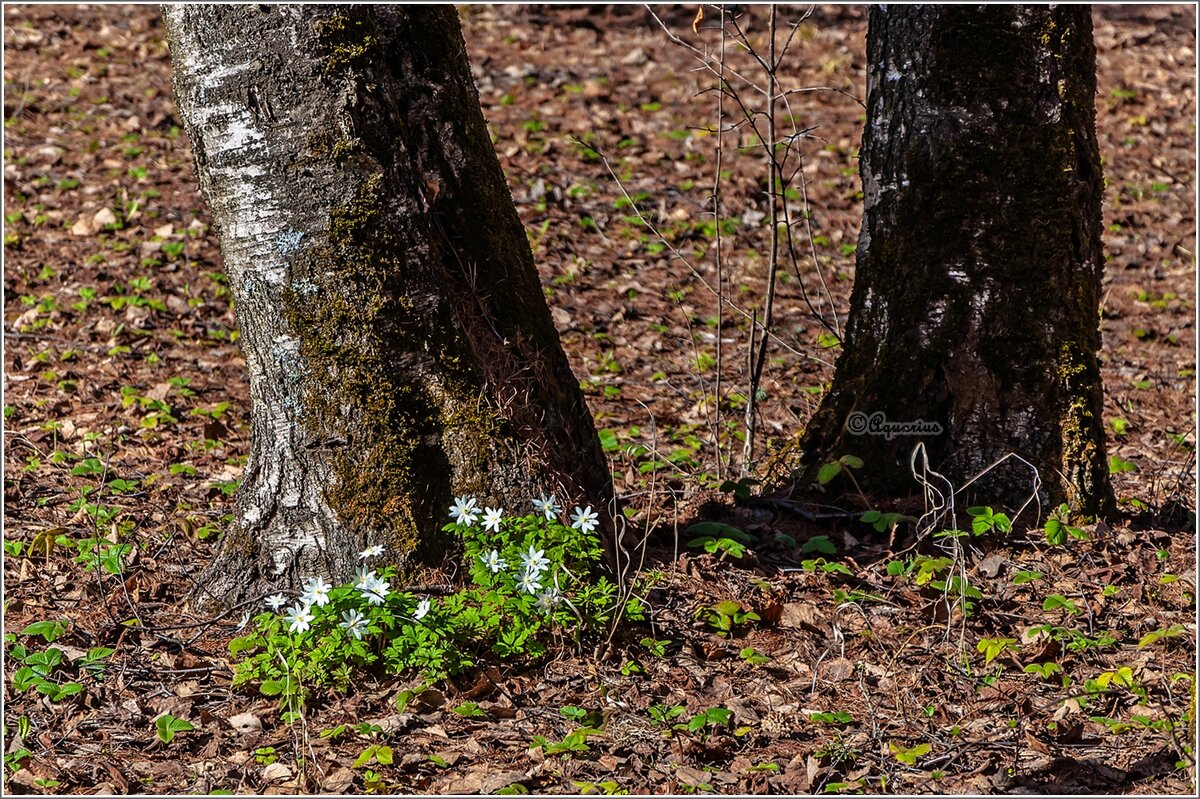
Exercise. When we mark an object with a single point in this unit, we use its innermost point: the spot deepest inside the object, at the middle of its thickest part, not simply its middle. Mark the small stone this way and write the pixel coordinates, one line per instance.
(246, 723)
(339, 781)
(276, 772)
(635, 57)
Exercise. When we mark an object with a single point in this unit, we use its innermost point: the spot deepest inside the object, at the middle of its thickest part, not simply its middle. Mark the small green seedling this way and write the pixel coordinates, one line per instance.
(575, 741)
(832, 469)
(885, 522)
(469, 710)
(1060, 602)
(166, 726)
(820, 544)
(908, 755)
(1057, 530)
(1044, 670)
(753, 656)
(378, 753)
(657, 648)
(1151, 638)
(994, 647)
(664, 714)
(717, 537)
(725, 616)
(985, 520)
(712, 717)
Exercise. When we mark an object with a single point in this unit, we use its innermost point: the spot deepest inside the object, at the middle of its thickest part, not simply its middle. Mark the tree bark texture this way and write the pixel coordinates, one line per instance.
(976, 298)
(399, 347)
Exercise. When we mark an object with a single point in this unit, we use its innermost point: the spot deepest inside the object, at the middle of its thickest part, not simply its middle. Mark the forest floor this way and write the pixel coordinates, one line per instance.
(126, 432)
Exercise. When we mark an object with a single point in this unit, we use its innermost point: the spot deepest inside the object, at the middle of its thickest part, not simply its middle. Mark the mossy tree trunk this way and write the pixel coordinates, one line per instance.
(976, 300)
(399, 348)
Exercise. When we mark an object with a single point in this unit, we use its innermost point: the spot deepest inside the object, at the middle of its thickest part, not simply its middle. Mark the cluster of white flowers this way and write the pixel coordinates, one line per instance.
(534, 563)
(371, 587)
(465, 511)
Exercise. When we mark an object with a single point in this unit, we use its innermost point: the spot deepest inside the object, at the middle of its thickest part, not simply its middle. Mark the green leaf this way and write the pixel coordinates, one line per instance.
(828, 472)
(167, 726)
(88, 467)
(242, 643)
(469, 710)
(1022, 577)
(851, 461)
(832, 717)
(63, 691)
(819, 543)
(43, 663)
(98, 653)
(727, 608)
(1117, 465)
(908, 755)
(25, 678)
(380, 753)
(752, 655)
(1056, 601)
(718, 715)
(49, 630)
(1056, 533)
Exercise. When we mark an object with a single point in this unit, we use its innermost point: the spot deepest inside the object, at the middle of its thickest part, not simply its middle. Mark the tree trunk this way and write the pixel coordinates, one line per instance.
(399, 347)
(976, 300)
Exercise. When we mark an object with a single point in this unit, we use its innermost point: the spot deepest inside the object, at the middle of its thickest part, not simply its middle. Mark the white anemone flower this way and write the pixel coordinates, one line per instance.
(535, 560)
(299, 618)
(464, 511)
(530, 581)
(354, 623)
(491, 519)
(422, 609)
(494, 562)
(548, 600)
(363, 577)
(276, 601)
(375, 591)
(584, 520)
(547, 506)
(371, 552)
(316, 592)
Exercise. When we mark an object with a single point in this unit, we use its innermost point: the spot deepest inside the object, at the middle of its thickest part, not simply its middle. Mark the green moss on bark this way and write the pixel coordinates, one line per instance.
(353, 42)
(376, 384)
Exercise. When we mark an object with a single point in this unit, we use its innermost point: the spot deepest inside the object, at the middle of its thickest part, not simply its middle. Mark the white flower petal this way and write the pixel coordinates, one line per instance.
(492, 518)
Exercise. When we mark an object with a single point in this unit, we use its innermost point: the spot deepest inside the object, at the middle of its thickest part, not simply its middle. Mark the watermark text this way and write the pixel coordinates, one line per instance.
(876, 424)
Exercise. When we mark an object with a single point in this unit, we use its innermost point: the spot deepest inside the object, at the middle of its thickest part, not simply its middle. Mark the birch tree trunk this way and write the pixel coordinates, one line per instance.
(976, 299)
(399, 347)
